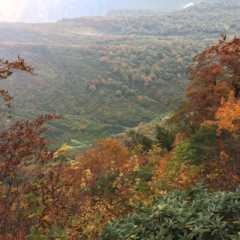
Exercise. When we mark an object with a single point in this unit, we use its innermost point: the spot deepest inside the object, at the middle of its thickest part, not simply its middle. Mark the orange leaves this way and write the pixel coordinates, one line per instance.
(107, 156)
(105, 165)
(223, 173)
(100, 185)
(228, 115)
(214, 74)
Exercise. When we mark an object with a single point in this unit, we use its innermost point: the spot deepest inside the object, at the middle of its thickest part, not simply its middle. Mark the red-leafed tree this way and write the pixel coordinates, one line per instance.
(213, 98)
(23, 154)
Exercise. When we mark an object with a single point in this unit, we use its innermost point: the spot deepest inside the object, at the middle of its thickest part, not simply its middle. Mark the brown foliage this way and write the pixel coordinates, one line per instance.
(6, 69)
(23, 155)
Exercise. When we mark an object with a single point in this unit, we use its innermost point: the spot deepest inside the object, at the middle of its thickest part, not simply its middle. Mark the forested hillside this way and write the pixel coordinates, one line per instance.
(183, 184)
(125, 127)
(104, 75)
(203, 20)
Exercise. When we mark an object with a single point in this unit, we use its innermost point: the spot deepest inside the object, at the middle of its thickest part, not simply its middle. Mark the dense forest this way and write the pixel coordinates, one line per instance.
(105, 75)
(183, 185)
(122, 131)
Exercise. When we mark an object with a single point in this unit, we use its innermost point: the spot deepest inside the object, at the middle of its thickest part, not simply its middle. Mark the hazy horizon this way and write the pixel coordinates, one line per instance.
(54, 10)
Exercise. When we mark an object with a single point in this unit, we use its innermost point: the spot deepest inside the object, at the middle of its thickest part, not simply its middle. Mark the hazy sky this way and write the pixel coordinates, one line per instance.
(52, 10)
(20, 10)
(9, 9)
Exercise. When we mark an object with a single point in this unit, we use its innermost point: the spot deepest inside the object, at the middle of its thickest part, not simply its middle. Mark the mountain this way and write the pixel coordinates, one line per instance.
(53, 10)
(193, 20)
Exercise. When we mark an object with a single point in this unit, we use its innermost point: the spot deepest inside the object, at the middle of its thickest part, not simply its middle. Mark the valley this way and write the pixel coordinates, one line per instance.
(123, 126)
(104, 75)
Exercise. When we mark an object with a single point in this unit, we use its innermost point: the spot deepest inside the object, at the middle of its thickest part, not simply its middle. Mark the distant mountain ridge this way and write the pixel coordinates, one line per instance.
(55, 10)
(196, 19)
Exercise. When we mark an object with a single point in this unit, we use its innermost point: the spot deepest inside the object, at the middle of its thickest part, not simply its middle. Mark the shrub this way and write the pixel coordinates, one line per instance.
(140, 139)
(187, 215)
(165, 138)
(202, 146)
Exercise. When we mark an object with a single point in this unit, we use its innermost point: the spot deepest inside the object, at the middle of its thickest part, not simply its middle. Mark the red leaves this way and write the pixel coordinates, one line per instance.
(215, 69)
(23, 150)
(24, 140)
(214, 74)
(24, 157)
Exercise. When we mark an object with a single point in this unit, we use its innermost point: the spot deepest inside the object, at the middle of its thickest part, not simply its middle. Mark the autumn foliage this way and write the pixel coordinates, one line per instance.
(6, 70)
(228, 114)
(46, 194)
(214, 74)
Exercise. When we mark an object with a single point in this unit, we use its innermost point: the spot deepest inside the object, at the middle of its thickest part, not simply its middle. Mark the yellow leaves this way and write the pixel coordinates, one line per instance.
(74, 164)
(88, 173)
(95, 214)
(83, 184)
(137, 149)
(140, 198)
(46, 218)
(87, 176)
(62, 151)
(161, 207)
(14, 190)
(90, 228)
(24, 205)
